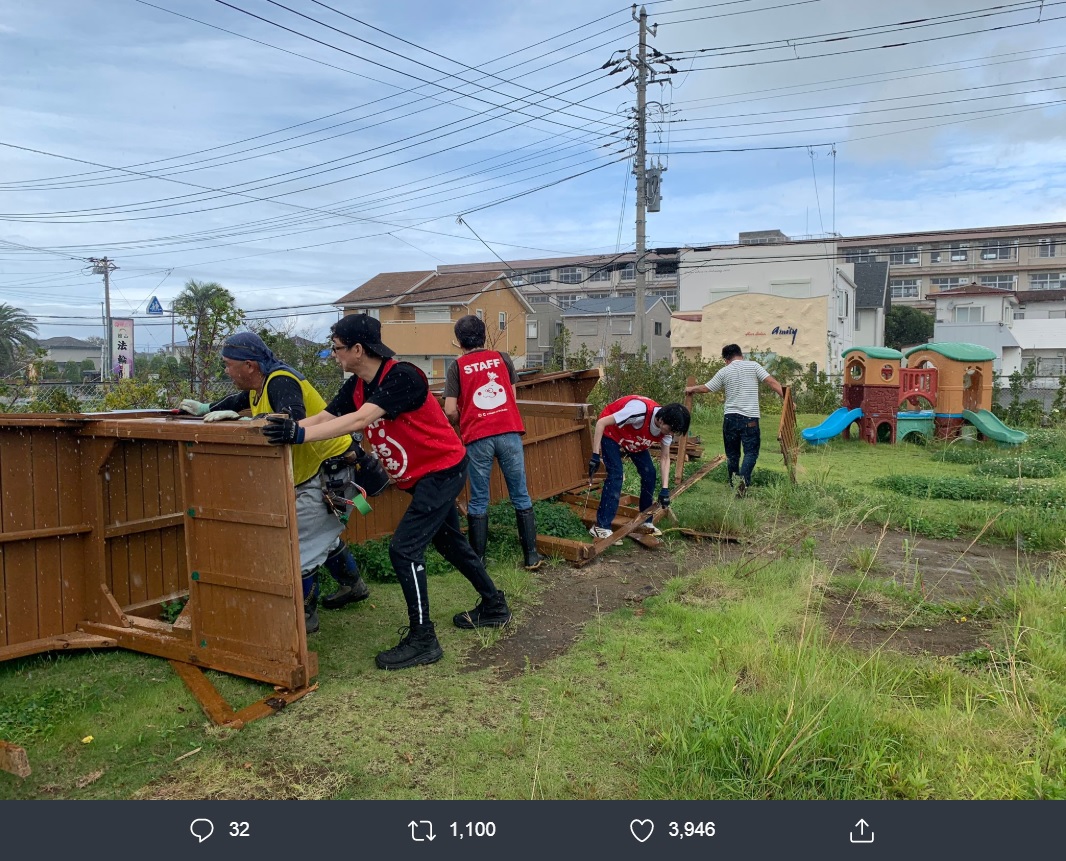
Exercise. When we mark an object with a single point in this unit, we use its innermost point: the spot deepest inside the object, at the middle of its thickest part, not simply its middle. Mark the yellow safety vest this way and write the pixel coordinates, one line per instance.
(306, 458)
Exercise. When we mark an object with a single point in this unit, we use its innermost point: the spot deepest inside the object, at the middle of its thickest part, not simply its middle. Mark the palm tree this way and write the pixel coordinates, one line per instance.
(17, 335)
(209, 314)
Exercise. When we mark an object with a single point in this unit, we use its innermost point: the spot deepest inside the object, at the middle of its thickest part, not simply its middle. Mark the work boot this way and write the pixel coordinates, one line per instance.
(489, 613)
(418, 646)
(342, 567)
(477, 533)
(311, 592)
(527, 535)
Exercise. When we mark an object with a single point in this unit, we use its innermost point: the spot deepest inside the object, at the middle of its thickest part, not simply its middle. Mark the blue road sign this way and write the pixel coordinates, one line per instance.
(154, 307)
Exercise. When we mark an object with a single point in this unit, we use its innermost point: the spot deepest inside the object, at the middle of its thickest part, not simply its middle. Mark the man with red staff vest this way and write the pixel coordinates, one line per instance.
(479, 397)
(628, 427)
(391, 403)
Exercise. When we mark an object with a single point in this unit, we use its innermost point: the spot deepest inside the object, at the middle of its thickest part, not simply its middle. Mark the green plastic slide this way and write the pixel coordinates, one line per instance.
(993, 428)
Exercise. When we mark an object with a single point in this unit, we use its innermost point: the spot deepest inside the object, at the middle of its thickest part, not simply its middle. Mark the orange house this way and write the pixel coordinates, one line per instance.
(418, 311)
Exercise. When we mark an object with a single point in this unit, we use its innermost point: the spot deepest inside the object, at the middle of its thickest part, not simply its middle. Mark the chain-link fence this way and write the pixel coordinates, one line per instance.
(99, 396)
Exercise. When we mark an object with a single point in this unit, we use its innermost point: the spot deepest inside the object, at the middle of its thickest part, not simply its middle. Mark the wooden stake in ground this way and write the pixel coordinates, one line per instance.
(13, 758)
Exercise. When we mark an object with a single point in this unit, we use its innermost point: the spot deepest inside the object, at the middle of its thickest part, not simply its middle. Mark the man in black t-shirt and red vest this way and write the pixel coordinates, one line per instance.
(418, 448)
(479, 397)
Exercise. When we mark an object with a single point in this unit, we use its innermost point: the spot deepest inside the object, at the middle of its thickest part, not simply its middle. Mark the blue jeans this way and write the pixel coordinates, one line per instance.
(612, 455)
(507, 449)
(738, 431)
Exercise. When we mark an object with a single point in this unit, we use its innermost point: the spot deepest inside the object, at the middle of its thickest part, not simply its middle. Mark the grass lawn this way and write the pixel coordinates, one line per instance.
(732, 682)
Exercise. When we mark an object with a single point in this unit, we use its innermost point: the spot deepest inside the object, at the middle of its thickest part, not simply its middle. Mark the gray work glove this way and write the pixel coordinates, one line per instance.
(221, 416)
(195, 408)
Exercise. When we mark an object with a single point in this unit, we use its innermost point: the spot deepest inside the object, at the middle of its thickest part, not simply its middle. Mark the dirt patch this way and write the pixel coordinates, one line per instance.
(942, 570)
(857, 623)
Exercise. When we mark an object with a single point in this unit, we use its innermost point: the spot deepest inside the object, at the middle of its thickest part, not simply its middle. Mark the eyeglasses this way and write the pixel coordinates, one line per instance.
(333, 348)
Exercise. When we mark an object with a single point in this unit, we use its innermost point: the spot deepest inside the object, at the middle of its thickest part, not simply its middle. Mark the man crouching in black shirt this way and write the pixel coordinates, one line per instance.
(418, 448)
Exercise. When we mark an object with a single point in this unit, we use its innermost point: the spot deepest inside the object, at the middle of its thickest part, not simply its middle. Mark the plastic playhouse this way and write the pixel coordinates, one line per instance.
(943, 388)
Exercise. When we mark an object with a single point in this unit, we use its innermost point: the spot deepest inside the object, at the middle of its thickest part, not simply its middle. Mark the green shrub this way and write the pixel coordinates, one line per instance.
(1030, 466)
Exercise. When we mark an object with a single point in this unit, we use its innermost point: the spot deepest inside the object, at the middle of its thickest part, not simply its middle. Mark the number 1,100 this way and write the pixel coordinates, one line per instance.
(474, 829)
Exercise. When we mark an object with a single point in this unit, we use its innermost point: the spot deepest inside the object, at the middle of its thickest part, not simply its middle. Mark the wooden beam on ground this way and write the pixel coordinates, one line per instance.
(207, 695)
(13, 759)
(58, 643)
(576, 552)
(273, 704)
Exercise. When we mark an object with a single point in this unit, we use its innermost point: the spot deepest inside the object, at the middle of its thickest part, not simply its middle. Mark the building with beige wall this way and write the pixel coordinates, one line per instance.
(418, 311)
(775, 295)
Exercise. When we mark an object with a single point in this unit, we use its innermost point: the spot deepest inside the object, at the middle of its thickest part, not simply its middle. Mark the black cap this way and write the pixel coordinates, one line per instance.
(361, 329)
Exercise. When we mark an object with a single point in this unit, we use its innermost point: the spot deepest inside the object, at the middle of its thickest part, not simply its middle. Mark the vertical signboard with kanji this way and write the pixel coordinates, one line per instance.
(121, 349)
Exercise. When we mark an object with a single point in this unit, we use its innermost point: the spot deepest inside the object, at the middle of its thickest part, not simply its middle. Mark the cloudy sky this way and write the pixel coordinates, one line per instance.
(291, 150)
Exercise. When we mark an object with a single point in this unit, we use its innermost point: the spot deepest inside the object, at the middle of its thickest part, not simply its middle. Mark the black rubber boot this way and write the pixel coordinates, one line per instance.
(310, 586)
(342, 567)
(477, 533)
(418, 646)
(527, 534)
(489, 613)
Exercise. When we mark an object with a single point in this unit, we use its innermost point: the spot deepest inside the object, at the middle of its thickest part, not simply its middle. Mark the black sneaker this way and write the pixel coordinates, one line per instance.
(489, 613)
(418, 646)
(347, 594)
(742, 488)
(311, 622)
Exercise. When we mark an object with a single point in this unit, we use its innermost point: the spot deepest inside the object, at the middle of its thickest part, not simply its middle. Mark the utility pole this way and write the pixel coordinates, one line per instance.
(638, 169)
(104, 266)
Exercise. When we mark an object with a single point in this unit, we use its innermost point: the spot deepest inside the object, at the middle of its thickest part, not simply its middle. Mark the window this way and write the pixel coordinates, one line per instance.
(1046, 248)
(860, 255)
(842, 304)
(539, 276)
(1046, 281)
(567, 300)
(503, 321)
(969, 314)
(480, 313)
(904, 288)
(997, 249)
(1056, 315)
(516, 278)
(619, 325)
(432, 315)
(583, 326)
(959, 252)
(571, 275)
(665, 269)
(601, 274)
(1008, 313)
(538, 298)
(629, 272)
(669, 295)
(948, 283)
(1003, 282)
(858, 321)
(904, 254)
(602, 294)
(532, 329)
(658, 328)
(934, 256)
(1050, 366)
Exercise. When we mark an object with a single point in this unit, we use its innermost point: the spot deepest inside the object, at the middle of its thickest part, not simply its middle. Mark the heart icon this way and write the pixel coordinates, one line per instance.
(641, 829)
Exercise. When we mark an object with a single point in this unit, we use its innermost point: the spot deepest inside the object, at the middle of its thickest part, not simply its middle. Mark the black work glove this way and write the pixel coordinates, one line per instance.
(594, 465)
(283, 431)
(664, 497)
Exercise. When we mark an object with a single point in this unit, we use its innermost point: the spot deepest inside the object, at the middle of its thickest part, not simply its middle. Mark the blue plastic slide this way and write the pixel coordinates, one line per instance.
(836, 424)
(993, 428)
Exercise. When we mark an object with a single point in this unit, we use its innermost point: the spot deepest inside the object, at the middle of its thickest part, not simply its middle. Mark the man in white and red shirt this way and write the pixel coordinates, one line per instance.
(628, 427)
(416, 445)
(479, 397)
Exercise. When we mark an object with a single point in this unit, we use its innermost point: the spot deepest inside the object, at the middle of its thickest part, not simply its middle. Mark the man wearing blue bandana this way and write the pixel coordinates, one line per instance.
(267, 385)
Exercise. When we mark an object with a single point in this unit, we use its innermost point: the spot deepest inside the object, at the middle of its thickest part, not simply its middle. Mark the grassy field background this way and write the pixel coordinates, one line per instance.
(730, 683)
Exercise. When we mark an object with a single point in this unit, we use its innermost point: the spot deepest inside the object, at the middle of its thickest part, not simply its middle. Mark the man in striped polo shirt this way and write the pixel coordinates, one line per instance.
(739, 379)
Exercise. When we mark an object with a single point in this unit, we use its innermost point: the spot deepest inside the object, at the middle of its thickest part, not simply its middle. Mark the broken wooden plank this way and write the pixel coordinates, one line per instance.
(13, 759)
(578, 552)
(682, 442)
(272, 704)
(555, 410)
(207, 695)
(58, 643)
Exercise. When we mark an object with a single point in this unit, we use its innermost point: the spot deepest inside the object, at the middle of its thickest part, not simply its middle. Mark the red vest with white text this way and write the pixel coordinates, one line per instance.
(486, 403)
(629, 437)
(414, 444)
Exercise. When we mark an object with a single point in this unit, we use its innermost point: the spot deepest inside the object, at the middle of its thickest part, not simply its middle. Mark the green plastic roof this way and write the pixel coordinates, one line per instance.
(876, 352)
(958, 352)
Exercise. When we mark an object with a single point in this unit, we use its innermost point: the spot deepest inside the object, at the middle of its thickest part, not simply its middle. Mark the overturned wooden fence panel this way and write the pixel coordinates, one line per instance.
(104, 519)
(556, 445)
